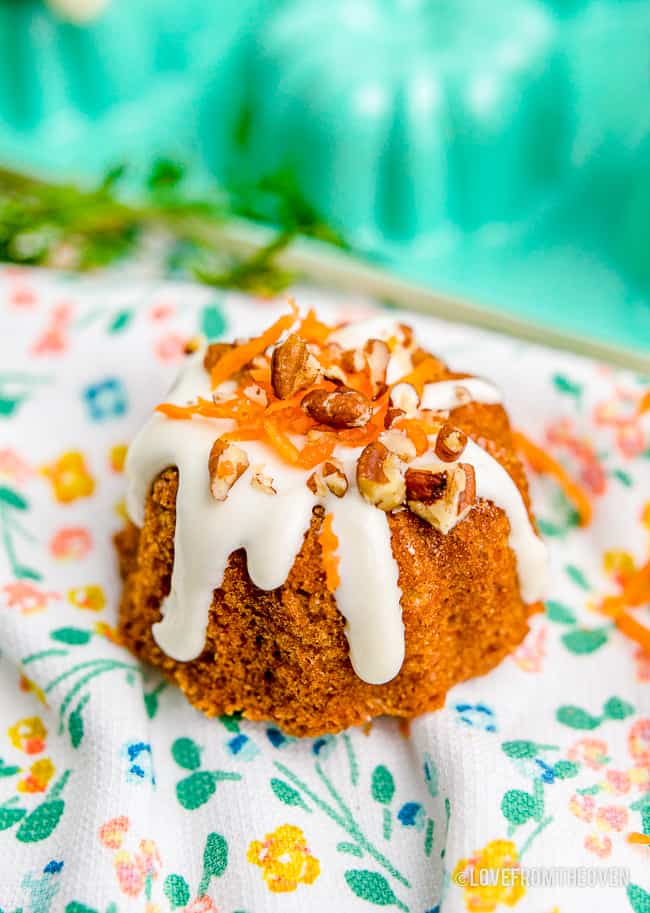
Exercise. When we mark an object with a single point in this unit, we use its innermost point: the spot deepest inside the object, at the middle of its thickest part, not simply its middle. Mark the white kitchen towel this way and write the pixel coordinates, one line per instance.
(116, 795)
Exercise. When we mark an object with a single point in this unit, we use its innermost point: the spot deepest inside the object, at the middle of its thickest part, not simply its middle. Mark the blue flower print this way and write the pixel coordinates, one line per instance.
(105, 399)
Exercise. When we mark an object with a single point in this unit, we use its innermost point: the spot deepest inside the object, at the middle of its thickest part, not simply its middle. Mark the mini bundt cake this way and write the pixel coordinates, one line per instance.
(326, 525)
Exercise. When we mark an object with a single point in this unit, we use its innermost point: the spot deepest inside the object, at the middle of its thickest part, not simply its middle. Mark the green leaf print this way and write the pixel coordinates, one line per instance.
(10, 816)
(76, 723)
(8, 770)
(187, 754)
(519, 806)
(351, 848)
(576, 575)
(120, 321)
(74, 637)
(373, 887)
(564, 770)
(12, 498)
(520, 749)
(564, 385)
(176, 891)
(577, 718)
(42, 821)
(639, 899)
(382, 785)
(617, 709)
(559, 613)
(195, 790)
(585, 640)
(213, 322)
(288, 794)
(215, 857)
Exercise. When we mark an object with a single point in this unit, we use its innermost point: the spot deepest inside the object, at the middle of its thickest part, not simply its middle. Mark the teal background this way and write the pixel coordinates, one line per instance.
(497, 150)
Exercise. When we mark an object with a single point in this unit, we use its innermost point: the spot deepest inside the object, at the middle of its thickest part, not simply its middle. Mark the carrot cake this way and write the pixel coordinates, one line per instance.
(326, 524)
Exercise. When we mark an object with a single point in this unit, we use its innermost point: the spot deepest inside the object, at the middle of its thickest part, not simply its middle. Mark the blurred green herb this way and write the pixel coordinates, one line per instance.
(63, 225)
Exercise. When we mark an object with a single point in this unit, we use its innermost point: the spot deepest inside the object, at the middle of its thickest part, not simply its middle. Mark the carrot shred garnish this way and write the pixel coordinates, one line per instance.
(635, 593)
(244, 433)
(636, 837)
(644, 403)
(415, 432)
(637, 587)
(426, 372)
(628, 625)
(234, 359)
(329, 543)
(279, 441)
(175, 412)
(315, 452)
(311, 329)
(543, 462)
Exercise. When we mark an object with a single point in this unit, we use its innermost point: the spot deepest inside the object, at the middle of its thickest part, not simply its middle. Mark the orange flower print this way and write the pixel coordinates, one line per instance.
(201, 905)
(117, 456)
(590, 752)
(112, 832)
(54, 338)
(170, 347)
(13, 468)
(530, 655)
(504, 885)
(621, 413)
(135, 871)
(89, 597)
(638, 741)
(592, 474)
(285, 859)
(27, 598)
(71, 543)
(40, 774)
(69, 477)
(28, 735)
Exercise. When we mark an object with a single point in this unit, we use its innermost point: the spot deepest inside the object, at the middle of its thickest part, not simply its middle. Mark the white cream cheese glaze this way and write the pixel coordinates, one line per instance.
(271, 528)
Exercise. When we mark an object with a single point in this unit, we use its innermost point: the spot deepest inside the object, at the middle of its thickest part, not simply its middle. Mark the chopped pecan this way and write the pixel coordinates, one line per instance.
(450, 443)
(353, 361)
(399, 443)
(335, 478)
(392, 415)
(379, 477)
(293, 367)
(378, 355)
(342, 408)
(442, 498)
(405, 397)
(262, 483)
(226, 463)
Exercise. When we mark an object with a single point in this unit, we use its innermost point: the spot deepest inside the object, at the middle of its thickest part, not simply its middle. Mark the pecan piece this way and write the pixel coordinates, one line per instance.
(335, 478)
(263, 483)
(293, 367)
(399, 443)
(342, 408)
(377, 355)
(353, 361)
(226, 463)
(379, 477)
(405, 397)
(450, 443)
(442, 498)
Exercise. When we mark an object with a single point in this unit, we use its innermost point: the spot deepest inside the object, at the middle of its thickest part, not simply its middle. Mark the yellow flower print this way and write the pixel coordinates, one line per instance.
(284, 858)
(491, 877)
(105, 630)
(40, 774)
(619, 565)
(69, 477)
(89, 597)
(27, 685)
(28, 735)
(117, 456)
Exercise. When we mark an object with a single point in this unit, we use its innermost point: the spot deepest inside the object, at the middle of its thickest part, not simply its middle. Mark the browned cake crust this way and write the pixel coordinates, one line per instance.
(283, 655)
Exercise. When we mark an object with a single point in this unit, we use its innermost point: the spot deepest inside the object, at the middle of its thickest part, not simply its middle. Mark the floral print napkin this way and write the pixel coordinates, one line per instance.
(117, 796)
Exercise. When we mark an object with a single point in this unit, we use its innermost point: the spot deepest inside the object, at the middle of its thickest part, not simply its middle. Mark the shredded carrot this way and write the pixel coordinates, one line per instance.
(316, 452)
(635, 837)
(543, 462)
(637, 587)
(628, 625)
(234, 359)
(311, 329)
(279, 441)
(175, 412)
(426, 372)
(329, 544)
(244, 433)
(644, 403)
(415, 432)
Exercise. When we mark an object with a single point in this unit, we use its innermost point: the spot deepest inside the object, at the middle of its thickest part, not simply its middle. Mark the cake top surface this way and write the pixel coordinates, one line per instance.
(357, 420)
